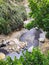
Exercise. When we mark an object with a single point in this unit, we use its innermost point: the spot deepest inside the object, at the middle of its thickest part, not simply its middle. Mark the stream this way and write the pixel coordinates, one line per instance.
(31, 37)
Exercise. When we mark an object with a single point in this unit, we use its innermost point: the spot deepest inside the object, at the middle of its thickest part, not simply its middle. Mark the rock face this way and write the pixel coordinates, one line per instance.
(4, 51)
(31, 37)
(42, 38)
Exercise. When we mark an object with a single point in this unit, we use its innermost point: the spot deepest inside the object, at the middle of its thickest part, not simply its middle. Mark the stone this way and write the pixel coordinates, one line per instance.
(26, 43)
(36, 28)
(2, 56)
(30, 49)
(43, 34)
(14, 41)
(41, 39)
(23, 44)
(31, 35)
(4, 51)
(15, 45)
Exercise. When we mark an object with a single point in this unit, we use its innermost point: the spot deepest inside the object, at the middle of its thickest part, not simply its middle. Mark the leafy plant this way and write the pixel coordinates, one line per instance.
(29, 25)
(40, 13)
(4, 26)
(34, 58)
(11, 16)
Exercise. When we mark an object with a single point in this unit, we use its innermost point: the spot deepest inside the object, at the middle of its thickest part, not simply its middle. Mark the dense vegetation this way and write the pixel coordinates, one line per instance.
(40, 13)
(12, 16)
(34, 58)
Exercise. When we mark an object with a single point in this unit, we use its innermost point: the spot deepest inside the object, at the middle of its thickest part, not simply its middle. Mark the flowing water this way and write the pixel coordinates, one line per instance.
(31, 37)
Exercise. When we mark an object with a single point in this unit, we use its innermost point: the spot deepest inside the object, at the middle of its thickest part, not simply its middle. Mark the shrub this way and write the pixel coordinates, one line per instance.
(4, 26)
(9, 61)
(40, 13)
(34, 58)
(11, 16)
(29, 25)
(22, 12)
(20, 9)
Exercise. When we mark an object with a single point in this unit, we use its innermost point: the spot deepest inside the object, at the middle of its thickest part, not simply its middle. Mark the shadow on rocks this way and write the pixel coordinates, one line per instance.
(4, 51)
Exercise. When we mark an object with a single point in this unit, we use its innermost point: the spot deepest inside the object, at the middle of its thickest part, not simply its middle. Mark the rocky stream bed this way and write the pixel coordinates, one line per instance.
(12, 45)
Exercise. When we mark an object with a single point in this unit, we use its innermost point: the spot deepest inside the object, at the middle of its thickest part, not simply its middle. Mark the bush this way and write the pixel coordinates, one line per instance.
(29, 25)
(22, 12)
(9, 61)
(20, 8)
(40, 13)
(34, 58)
(11, 16)
(4, 26)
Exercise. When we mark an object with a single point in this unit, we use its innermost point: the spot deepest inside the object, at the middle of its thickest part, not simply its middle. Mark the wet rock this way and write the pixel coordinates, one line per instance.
(30, 49)
(42, 37)
(42, 40)
(15, 45)
(21, 33)
(13, 41)
(2, 45)
(31, 36)
(23, 44)
(4, 51)
(13, 54)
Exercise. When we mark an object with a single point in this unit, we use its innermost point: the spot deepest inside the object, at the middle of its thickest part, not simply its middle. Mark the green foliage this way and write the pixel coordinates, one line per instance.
(4, 26)
(22, 12)
(11, 16)
(34, 58)
(40, 12)
(29, 25)
(9, 61)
